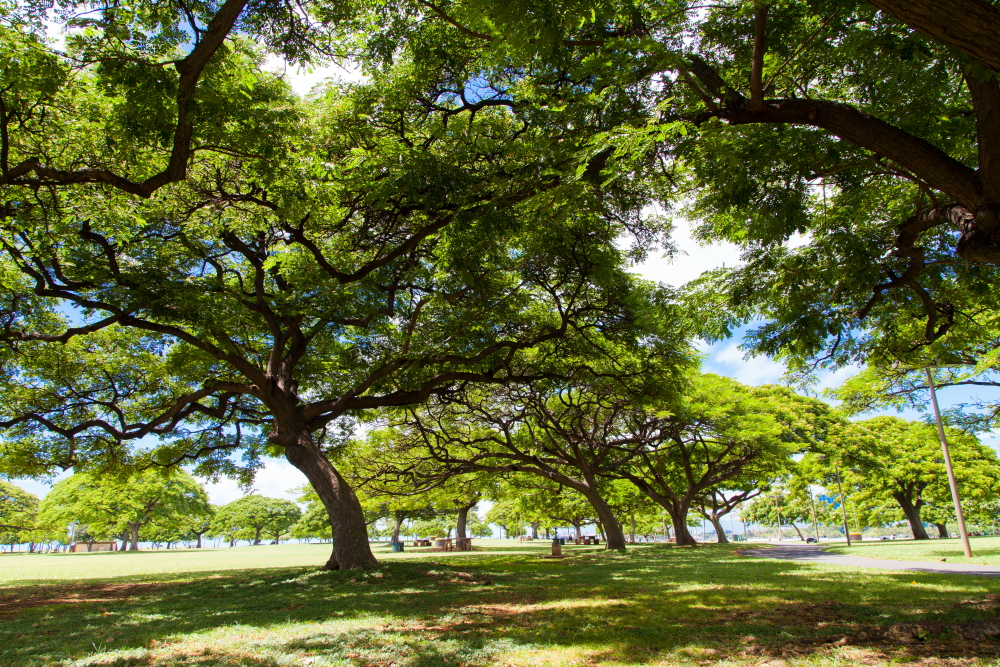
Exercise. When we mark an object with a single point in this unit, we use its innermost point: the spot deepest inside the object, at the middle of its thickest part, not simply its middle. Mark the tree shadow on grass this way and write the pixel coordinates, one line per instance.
(688, 605)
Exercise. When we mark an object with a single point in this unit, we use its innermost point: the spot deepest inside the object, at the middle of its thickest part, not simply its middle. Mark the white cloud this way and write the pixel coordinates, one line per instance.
(277, 479)
(691, 261)
(303, 80)
(730, 360)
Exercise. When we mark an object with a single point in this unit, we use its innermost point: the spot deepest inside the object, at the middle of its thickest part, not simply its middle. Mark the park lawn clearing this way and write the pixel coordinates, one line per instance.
(985, 550)
(656, 605)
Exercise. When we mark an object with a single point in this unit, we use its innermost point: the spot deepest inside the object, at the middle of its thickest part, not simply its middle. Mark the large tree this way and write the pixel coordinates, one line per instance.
(721, 435)
(573, 431)
(18, 514)
(110, 506)
(253, 516)
(375, 254)
(888, 463)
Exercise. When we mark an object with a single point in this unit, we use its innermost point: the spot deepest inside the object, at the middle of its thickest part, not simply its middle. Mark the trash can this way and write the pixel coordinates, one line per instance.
(397, 547)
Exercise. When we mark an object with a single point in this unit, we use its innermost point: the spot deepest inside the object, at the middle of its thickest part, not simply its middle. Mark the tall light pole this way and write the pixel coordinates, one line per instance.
(778, 510)
(840, 492)
(952, 482)
(843, 504)
(812, 501)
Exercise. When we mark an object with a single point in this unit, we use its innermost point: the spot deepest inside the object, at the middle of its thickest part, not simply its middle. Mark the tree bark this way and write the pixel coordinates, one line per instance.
(256, 535)
(199, 545)
(351, 549)
(720, 532)
(798, 532)
(942, 529)
(678, 517)
(632, 520)
(460, 523)
(971, 26)
(399, 518)
(912, 513)
(614, 535)
(134, 536)
(534, 530)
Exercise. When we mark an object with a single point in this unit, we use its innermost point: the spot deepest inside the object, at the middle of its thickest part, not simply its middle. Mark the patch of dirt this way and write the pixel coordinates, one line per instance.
(923, 643)
(41, 597)
(989, 603)
(457, 577)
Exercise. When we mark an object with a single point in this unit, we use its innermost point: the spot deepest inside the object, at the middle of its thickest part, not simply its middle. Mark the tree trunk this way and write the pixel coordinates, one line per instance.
(134, 529)
(463, 519)
(614, 535)
(632, 519)
(942, 529)
(347, 520)
(678, 517)
(912, 513)
(576, 527)
(256, 535)
(720, 532)
(799, 532)
(199, 545)
(399, 518)
(534, 530)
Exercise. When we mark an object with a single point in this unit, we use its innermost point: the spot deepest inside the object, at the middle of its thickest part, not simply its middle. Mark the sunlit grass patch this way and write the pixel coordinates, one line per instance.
(985, 550)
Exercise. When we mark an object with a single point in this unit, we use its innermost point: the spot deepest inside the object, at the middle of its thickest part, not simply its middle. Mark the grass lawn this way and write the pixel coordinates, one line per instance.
(985, 550)
(657, 605)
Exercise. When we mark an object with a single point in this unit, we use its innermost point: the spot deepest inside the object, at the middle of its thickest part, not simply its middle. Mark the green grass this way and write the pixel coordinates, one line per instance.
(155, 565)
(656, 605)
(985, 550)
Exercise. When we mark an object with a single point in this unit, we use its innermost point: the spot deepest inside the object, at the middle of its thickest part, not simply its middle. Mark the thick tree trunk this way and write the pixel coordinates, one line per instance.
(460, 523)
(256, 535)
(399, 517)
(534, 530)
(347, 520)
(912, 513)
(720, 532)
(134, 536)
(576, 527)
(942, 529)
(678, 517)
(799, 532)
(199, 545)
(971, 26)
(614, 535)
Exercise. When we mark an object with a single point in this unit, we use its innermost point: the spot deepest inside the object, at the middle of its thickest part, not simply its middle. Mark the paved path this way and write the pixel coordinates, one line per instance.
(815, 554)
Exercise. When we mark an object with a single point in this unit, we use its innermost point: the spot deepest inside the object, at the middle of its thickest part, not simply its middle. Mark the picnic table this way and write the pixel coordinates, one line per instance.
(421, 543)
(463, 544)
